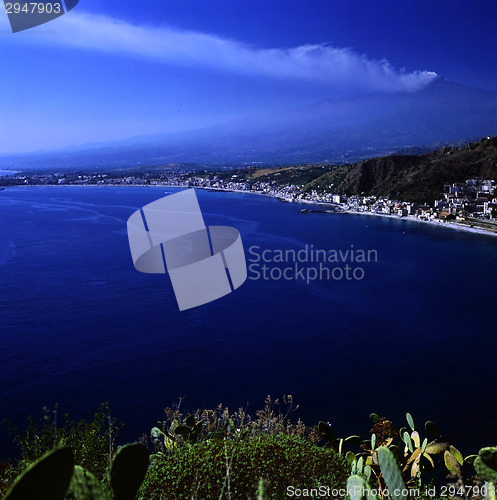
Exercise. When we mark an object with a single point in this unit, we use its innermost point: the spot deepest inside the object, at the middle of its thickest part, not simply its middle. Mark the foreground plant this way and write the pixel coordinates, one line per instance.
(92, 442)
(48, 478)
(226, 468)
(486, 467)
(340, 445)
(182, 428)
(413, 453)
(56, 477)
(419, 453)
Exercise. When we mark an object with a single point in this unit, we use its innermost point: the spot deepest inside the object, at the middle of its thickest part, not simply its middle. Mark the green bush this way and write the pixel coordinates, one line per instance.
(232, 469)
(92, 442)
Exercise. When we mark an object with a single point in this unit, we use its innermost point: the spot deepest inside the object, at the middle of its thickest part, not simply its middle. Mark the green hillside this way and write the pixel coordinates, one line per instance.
(412, 178)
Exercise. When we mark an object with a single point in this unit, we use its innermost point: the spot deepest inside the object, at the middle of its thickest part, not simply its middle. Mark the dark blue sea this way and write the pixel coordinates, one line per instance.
(79, 325)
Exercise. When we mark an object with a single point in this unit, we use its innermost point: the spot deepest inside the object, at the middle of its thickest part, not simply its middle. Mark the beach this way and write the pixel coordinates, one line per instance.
(434, 222)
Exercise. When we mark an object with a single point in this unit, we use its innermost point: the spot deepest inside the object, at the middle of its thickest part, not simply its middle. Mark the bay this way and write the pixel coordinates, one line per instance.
(79, 325)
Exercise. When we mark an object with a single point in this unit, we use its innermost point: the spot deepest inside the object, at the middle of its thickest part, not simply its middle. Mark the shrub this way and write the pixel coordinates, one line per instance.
(220, 423)
(92, 442)
(232, 469)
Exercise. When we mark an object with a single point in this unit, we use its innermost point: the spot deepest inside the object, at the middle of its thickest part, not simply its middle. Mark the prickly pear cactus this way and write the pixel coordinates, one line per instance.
(356, 487)
(392, 474)
(432, 430)
(359, 489)
(486, 464)
(85, 486)
(47, 479)
(128, 471)
(328, 433)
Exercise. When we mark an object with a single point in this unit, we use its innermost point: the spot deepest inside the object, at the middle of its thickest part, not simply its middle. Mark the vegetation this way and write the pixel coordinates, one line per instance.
(232, 468)
(219, 454)
(233, 455)
(48, 477)
(92, 442)
(298, 176)
(55, 477)
(417, 178)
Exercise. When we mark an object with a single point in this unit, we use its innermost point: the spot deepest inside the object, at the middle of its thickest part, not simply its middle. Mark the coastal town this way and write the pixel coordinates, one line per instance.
(469, 204)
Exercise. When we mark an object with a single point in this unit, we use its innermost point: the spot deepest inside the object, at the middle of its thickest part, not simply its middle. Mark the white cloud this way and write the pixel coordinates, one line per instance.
(319, 63)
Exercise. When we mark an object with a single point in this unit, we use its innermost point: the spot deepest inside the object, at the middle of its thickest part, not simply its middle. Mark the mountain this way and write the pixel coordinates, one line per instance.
(331, 131)
(412, 178)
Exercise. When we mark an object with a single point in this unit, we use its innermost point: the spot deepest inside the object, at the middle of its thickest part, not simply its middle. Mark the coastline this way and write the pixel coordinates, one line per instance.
(410, 218)
(437, 223)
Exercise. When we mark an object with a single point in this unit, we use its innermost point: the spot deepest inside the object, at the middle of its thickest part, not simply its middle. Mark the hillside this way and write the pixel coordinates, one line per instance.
(412, 178)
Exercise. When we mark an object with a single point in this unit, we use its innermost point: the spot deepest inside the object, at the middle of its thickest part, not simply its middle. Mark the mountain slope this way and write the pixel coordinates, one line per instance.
(332, 131)
(412, 178)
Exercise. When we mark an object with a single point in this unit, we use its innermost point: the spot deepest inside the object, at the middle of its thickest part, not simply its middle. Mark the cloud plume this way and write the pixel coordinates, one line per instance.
(315, 63)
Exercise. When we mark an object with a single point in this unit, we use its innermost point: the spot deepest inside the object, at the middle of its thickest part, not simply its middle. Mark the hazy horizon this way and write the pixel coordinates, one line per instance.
(112, 71)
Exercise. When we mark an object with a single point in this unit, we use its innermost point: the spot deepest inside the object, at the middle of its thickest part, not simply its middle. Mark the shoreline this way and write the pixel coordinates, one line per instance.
(436, 222)
(409, 218)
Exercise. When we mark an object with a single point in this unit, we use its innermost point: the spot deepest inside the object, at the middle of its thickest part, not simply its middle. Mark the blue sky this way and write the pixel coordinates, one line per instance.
(110, 70)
